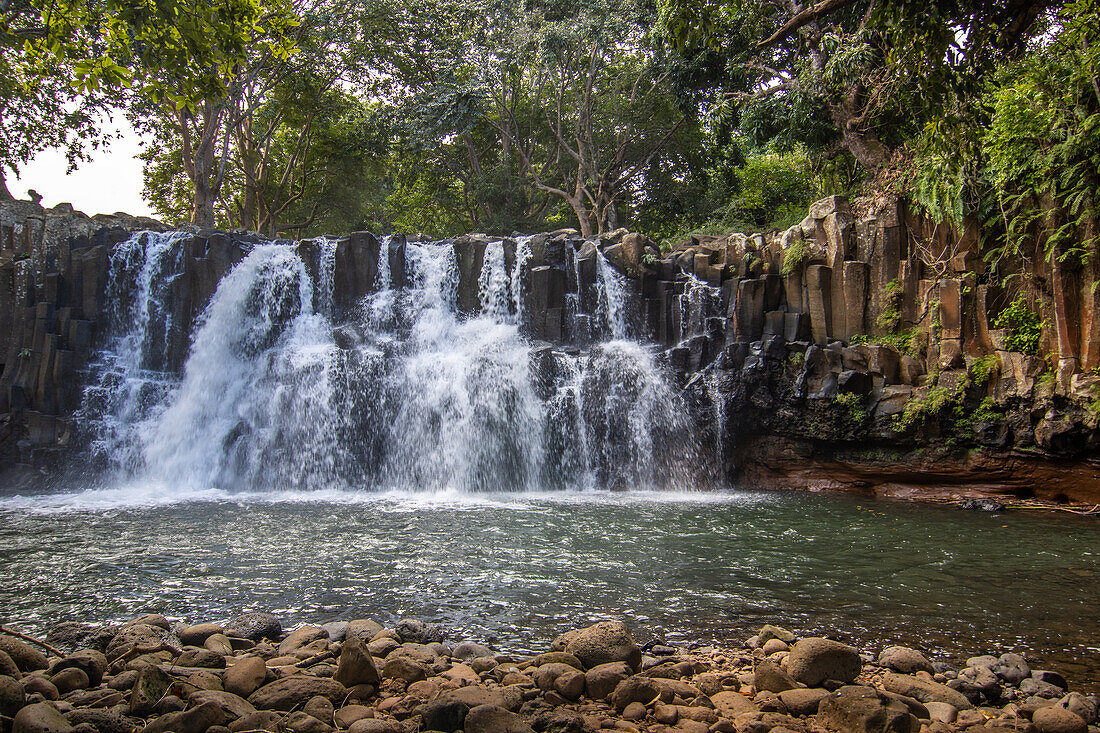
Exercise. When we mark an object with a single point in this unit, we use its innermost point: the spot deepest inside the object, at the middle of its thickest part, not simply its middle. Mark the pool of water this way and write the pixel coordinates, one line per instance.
(517, 569)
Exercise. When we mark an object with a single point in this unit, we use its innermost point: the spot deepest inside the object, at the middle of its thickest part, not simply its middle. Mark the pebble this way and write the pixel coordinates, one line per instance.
(247, 675)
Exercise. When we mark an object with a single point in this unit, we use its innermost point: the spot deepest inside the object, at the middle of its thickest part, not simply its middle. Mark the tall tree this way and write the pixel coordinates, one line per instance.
(65, 58)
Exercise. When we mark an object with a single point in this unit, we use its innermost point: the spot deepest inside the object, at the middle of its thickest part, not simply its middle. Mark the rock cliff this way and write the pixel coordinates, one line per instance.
(855, 350)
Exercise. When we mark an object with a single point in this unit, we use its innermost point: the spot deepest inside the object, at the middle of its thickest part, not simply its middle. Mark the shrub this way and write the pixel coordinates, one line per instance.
(1023, 325)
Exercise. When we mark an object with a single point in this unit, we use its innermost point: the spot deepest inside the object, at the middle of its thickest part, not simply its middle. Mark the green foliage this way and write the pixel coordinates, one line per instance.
(768, 182)
(64, 63)
(794, 255)
(982, 369)
(987, 411)
(1043, 145)
(1023, 325)
(940, 402)
(853, 405)
(890, 317)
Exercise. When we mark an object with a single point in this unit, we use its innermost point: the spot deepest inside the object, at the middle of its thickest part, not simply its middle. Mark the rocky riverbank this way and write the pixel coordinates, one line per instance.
(247, 674)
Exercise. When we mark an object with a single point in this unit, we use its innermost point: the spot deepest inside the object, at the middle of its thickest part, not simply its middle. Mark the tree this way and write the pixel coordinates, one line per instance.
(852, 75)
(63, 59)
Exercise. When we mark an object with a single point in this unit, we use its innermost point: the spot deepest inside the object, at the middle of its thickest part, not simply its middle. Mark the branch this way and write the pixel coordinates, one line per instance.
(32, 640)
(805, 17)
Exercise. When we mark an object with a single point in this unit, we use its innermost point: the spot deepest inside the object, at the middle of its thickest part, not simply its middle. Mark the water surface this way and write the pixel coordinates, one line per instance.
(517, 569)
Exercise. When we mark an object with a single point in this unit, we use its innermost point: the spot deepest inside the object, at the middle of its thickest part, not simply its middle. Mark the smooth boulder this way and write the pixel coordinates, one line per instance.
(295, 691)
(253, 626)
(854, 709)
(905, 660)
(41, 717)
(605, 642)
(814, 660)
(25, 656)
(925, 691)
(493, 719)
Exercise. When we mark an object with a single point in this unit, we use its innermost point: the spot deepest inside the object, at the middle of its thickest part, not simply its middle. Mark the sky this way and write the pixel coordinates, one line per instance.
(111, 181)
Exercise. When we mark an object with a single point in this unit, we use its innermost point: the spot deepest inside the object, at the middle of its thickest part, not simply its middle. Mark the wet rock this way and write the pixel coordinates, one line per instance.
(300, 637)
(443, 715)
(254, 626)
(904, 660)
(601, 680)
(71, 636)
(294, 691)
(605, 642)
(493, 719)
(196, 657)
(772, 646)
(12, 697)
(151, 685)
(40, 717)
(1055, 719)
(232, 706)
(803, 701)
(303, 722)
(8, 666)
(25, 656)
(356, 666)
(1082, 706)
(37, 684)
(418, 632)
(1012, 668)
(93, 663)
(363, 629)
(404, 668)
(70, 679)
(771, 677)
(198, 634)
(814, 660)
(104, 721)
(195, 720)
(635, 689)
(853, 709)
(925, 691)
(468, 650)
(245, 676)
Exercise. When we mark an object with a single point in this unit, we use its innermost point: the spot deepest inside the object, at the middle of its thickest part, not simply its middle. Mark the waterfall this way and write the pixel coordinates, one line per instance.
(407, 394)
(612, 304)
(129, 380)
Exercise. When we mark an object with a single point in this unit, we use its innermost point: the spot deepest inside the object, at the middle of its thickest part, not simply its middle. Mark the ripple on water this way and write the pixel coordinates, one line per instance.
(519, 568)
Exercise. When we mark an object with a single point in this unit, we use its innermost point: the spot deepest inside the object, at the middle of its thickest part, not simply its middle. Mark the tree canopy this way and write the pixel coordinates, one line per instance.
(440, 116)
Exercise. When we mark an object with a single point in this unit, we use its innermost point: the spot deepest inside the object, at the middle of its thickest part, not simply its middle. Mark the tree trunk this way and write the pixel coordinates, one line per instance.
(202, 205)
(5, 194)
(863, 144)
(584, 217)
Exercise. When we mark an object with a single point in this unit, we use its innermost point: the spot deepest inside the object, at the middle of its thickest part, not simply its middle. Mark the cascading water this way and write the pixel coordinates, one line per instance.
(407, 395)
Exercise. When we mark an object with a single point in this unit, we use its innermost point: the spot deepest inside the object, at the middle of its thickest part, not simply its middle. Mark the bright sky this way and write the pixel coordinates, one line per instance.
(109, 182)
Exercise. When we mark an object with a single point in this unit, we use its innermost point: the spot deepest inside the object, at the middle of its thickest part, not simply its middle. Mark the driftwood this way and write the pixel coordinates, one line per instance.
(12, 632)
(315, 659)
